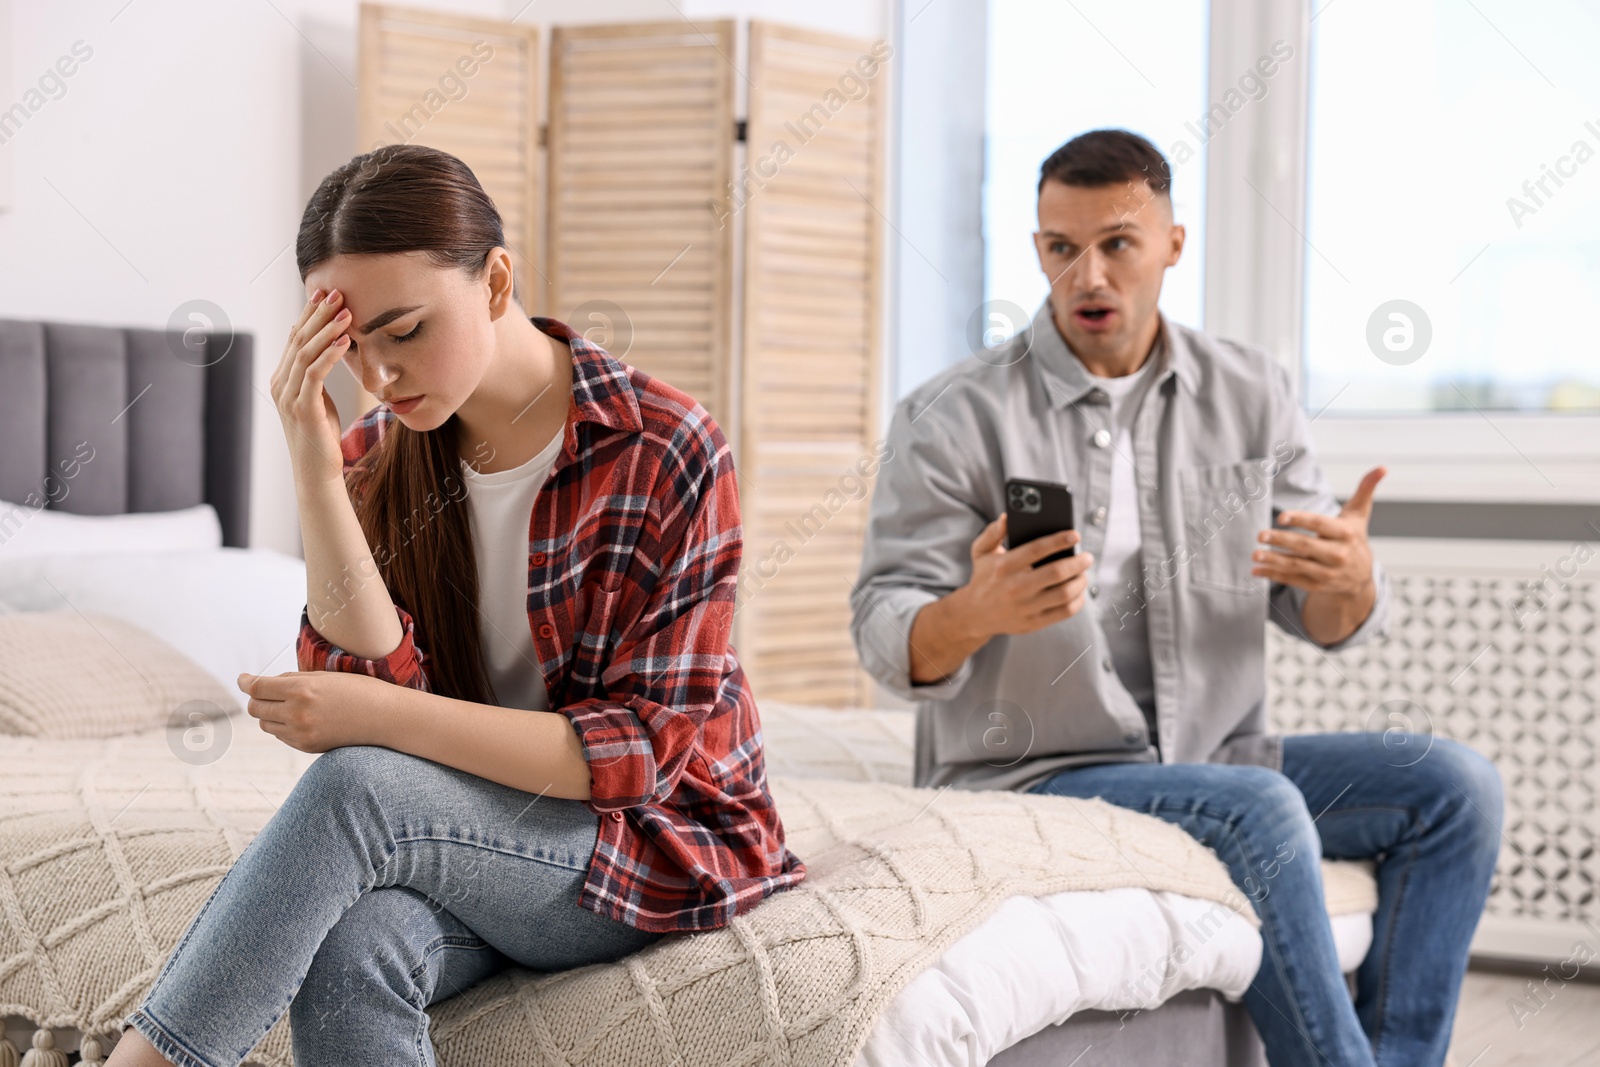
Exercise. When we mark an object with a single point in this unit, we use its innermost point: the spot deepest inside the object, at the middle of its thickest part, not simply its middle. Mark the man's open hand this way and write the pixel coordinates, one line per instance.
(1334, 558)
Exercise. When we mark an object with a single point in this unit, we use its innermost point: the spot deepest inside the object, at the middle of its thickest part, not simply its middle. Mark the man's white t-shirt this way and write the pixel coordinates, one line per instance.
(1119, 571)
(500, 507)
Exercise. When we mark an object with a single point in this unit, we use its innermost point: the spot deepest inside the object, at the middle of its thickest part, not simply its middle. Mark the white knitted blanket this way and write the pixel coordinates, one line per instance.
(109, 847)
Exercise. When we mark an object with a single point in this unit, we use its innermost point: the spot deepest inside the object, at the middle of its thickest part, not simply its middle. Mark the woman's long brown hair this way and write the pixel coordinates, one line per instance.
(408, 490)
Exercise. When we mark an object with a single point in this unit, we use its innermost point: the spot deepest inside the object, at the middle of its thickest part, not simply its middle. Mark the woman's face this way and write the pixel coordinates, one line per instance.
(416, 330)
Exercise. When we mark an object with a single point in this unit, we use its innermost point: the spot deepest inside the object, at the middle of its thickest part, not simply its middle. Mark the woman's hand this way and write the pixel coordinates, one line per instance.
(314, 711)
(310, 418)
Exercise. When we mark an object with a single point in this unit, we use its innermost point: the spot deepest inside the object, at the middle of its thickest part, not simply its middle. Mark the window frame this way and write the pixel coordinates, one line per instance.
(1255, 292)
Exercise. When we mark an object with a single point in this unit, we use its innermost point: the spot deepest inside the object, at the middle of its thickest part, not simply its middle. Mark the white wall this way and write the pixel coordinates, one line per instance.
(177, 161)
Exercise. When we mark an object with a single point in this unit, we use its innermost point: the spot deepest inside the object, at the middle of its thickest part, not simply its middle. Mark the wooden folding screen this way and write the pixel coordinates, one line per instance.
(810, 361)
(641, 149)
(470, 87)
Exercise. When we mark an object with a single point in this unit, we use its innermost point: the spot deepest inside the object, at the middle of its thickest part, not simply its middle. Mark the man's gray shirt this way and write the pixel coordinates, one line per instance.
(1219, 445)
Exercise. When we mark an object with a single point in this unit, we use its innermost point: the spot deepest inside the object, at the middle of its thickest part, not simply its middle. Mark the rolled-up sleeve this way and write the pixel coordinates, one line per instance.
(665, 673)
(403, 666)
(926, 511)
(1301, 485)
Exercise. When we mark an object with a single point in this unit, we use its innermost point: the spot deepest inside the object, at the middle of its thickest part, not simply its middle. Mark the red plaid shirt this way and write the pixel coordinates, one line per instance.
(635, 543)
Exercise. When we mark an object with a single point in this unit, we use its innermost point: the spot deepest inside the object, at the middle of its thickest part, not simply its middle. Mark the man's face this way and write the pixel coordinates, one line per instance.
(1104, 250)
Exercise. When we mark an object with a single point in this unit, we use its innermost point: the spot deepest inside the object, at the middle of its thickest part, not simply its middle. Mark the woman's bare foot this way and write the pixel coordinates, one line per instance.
(134, 1050)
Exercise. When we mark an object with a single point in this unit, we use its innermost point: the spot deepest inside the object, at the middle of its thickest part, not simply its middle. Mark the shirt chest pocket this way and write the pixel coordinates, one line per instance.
(1225, 506)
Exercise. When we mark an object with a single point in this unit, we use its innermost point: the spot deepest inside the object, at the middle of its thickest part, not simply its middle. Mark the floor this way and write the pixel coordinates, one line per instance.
(1500, 1023)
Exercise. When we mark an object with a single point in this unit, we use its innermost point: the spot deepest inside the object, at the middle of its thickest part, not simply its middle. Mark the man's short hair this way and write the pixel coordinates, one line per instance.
(1107, 157)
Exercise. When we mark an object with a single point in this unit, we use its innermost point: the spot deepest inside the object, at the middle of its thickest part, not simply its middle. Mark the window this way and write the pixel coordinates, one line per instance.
(1453, 208)
(1056, 70)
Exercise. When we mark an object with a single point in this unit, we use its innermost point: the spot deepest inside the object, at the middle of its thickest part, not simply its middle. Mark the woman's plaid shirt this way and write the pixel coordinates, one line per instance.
(634, 547)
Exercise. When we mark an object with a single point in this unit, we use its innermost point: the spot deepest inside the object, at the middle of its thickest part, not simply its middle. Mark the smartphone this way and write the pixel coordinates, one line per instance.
(1037, 509)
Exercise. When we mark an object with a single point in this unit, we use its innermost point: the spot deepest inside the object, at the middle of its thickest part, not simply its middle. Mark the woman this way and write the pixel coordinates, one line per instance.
(537, 745)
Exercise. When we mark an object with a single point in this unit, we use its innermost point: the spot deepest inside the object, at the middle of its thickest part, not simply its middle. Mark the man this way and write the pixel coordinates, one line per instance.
(1134, 670)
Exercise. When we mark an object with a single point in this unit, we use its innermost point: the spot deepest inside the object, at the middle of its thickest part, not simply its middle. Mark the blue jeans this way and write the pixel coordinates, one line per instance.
(1427, 809)
(385, 883)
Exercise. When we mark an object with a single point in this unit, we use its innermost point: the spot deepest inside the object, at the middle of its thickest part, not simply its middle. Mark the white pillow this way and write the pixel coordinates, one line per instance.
(231, 610)
(29, 531)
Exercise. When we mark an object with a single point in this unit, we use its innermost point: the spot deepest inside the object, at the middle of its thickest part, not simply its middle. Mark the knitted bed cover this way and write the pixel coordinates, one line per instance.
(108, 849)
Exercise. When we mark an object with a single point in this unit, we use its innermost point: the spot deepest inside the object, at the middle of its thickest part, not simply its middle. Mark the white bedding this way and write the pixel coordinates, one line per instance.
(1037, 961)
(231, 610)
(1352, 936)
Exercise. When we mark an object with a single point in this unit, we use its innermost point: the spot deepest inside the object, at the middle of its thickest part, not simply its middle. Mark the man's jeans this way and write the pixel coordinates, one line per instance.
(385, 883)
(1427, 809)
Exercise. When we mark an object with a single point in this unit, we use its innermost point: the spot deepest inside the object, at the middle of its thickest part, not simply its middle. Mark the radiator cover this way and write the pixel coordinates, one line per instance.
(1495, 644)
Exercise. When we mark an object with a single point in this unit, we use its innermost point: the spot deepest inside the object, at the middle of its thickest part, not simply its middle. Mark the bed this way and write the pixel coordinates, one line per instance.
(1116, 974)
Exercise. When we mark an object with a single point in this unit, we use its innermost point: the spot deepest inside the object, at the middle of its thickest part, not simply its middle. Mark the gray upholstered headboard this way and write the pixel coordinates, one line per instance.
(169, 425)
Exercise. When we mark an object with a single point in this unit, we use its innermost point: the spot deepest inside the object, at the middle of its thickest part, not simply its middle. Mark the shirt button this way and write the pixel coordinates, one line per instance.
(616, 816)
(539, 559)
(1098, 516)
(1105, 664)
(1094, 590)
(546, 631)
(1101, 438)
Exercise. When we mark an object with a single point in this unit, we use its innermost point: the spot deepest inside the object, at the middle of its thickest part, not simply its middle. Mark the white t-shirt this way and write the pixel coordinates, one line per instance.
(500, 506)
(1118, 570)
